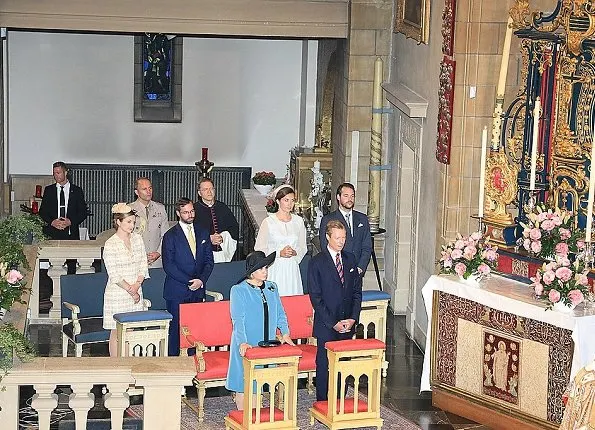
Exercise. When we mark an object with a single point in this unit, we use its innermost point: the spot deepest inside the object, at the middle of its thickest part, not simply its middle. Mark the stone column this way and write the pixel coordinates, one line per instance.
(375, 150)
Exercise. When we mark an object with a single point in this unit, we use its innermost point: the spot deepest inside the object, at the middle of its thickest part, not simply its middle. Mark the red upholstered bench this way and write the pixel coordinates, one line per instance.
(300, 316)
(207, 327)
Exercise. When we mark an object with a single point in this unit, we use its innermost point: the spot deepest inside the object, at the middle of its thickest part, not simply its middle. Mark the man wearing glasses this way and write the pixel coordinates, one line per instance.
(188, 261)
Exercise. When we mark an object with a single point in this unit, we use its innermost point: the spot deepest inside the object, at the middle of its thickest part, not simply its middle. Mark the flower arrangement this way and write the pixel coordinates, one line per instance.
(11, 286)
(264, 178)
(561, 281)
(271, 206)
(469, 255)
(550, 232)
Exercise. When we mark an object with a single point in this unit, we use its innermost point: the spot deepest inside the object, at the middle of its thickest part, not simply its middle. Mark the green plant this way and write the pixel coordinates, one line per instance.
(13, 343)
(271, 206)
(15, 231)
(264, 178)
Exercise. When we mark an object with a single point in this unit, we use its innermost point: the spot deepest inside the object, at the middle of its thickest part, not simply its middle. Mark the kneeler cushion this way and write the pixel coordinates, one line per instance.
(238, 416)
(322, 406)
(273, 352)
(354, 345)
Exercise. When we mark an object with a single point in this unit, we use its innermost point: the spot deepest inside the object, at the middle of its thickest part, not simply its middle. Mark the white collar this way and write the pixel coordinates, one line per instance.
(349, 212)
(333, 253)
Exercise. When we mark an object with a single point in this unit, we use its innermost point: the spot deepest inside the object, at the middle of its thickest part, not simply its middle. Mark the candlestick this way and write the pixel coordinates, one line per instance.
(536, 111)
(501, 88)
(591, 193)
(482, 172)
(34, 207)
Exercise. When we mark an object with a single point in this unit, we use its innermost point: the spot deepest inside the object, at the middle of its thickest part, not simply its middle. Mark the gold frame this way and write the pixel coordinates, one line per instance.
(419, 31)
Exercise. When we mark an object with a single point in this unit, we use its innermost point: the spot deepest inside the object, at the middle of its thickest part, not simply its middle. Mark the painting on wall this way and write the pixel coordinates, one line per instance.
(413, 19)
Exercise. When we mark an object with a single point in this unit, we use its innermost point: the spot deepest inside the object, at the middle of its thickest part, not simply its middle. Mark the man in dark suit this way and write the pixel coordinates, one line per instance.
(188, 262)
(359, 239)
(335, 289)
(63, 206)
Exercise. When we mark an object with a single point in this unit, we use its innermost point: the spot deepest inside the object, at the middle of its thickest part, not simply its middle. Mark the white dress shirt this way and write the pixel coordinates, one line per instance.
(66, 194)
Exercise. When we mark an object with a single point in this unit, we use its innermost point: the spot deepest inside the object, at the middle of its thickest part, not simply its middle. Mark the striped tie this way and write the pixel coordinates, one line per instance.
(215, 227)
(339, 268)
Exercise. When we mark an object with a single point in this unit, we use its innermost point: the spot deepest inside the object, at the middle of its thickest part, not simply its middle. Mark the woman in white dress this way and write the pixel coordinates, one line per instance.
(126, 264)
(285, 234)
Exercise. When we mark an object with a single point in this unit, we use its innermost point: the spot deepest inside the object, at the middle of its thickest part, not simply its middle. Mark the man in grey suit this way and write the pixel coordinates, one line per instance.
(359, 239)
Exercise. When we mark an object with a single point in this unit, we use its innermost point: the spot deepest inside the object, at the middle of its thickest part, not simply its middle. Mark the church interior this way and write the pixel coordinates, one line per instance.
(465, 126)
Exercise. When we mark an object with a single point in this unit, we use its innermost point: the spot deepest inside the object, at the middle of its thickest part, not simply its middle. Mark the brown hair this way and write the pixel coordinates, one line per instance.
(333, 224)
(343, 185)
(183, 201)
(203, 180)
(284, 191)
(120, 217)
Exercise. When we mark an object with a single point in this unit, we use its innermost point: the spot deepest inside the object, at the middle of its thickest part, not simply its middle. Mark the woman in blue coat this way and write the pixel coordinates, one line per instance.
(256, 313)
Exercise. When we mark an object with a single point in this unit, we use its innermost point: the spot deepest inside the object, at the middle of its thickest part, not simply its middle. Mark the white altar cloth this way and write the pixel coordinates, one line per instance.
(516, 298)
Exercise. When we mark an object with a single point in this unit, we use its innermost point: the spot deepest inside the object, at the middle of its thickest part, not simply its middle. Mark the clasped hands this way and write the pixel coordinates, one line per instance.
(132, 289)
(152, 257)
(216, 239)
(287, 252)
(344, 326)
(61, 223)
(194, 284)
(283, 339)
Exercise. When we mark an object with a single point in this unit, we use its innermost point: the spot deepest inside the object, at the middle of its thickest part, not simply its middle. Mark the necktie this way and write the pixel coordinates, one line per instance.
(147, 212)
(339, 268)
(62, 203)
(348, 219)
(191, 240)
(215, 227)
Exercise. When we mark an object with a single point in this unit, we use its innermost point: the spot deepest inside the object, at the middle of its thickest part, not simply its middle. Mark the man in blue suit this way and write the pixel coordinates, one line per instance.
(335, 289)
(359, 239)
(188, 262)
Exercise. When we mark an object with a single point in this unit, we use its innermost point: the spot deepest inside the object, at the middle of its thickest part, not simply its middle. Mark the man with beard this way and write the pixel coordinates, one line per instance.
(359, 239)
(188, 263)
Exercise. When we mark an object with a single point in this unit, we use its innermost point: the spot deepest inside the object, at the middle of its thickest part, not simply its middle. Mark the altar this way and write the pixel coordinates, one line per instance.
(495, 355)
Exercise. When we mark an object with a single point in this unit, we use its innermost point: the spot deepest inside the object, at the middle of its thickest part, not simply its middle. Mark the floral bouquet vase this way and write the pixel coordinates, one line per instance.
(561, 284)
(471, 258)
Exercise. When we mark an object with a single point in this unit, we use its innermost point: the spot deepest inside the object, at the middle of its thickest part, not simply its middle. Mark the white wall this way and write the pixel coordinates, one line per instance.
(71, 99)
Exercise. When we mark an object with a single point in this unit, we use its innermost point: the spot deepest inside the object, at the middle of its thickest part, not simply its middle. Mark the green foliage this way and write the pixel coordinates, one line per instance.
(13, 342)
(15, 231)
(264, 178)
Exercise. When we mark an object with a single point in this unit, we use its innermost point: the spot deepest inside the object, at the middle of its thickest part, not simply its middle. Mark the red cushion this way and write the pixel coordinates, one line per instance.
(273, 352)
(354, 345)
(308, 360)
(208, 322)
(322, 406)
(238, 416)
(299, 315)
(216, 364)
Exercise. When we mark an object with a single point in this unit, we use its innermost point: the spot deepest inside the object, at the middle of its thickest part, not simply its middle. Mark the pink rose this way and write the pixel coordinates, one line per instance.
(459, 244)
(460, 269)
(548, 277)
(563, 273)
(456, 254)
(469, 252)
(536, 247)
(484, 269)
(562, 249)
(564, 261)
(447, 263)
(476, 236)
(581, 278)
(542, 216)
(580, 244)
(13, 276)
(527, 244)
(538, 289)
(535, 234)
(490, 255)
(576, 297)
(557, 220)
(564, 234)
(554, 296)
(548, 225)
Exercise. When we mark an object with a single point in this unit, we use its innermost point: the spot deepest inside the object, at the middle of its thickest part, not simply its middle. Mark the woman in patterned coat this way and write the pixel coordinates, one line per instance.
(126, 264)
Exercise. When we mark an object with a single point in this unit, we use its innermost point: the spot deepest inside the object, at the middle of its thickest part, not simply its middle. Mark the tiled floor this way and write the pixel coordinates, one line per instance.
(400, 390)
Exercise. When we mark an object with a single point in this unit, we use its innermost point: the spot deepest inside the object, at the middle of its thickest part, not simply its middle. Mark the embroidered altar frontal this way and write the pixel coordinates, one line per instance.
(517, 365)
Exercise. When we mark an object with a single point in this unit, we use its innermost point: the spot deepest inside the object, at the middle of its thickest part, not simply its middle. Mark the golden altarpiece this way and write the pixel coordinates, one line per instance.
(513, 371)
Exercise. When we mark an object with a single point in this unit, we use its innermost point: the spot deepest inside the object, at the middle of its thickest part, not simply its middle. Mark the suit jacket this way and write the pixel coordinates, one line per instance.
(333, 302)
(360, 243)
(76, 212)
(181, 266)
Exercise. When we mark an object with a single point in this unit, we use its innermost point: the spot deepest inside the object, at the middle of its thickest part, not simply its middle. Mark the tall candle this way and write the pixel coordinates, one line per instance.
(38, 191)
(482, 172)
(205, 153)
(591, 193)
(504, 63)
(536, 111)
(34, 207)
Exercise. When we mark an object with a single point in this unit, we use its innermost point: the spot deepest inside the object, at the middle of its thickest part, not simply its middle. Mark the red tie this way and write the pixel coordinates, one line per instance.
(339, 267)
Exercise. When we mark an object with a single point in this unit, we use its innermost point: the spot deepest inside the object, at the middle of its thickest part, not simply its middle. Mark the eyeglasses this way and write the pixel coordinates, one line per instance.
(187, 212)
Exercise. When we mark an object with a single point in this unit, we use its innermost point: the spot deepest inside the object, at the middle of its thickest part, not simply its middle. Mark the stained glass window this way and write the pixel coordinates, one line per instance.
(157, 65)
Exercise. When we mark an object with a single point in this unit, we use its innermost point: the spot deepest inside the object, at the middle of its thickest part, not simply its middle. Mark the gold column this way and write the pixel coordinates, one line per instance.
(375, 150)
